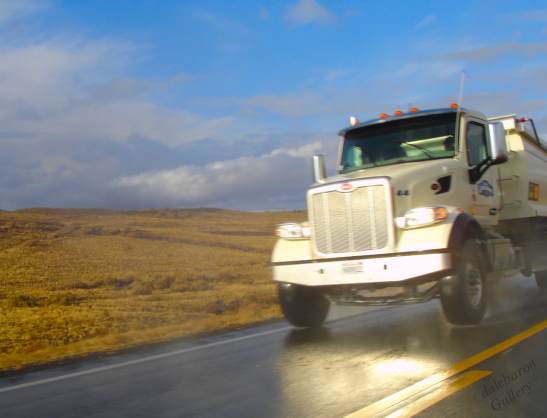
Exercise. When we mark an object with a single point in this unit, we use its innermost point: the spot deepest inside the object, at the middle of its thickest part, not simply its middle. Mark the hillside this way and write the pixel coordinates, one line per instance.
(80, 281)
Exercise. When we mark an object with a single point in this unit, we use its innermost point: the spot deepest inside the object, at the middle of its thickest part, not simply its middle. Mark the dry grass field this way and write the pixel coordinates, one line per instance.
(74, 282)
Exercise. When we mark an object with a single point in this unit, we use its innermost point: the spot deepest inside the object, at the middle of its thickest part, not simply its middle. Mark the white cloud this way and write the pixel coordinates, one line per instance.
(495, 51)
(14, 9)
(264, 13)
(127, 88)
(47, 74)
(309, 11)
(429, 69)
(252, 182)
(335, 74)
(220, 23)
(65, 91)
(539, 15)
(426, 21)
(324, 101)
(71, 121)
(81, 124)
(289, 104)
(124, 119)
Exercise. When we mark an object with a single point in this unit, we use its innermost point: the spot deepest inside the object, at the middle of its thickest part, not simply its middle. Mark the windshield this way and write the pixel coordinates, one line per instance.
(405, 140)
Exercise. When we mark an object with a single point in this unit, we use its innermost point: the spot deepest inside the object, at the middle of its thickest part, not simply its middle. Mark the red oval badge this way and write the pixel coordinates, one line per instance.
(346, 187)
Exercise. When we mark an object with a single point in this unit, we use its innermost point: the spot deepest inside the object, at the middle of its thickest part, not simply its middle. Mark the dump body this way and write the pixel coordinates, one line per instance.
(527, 166)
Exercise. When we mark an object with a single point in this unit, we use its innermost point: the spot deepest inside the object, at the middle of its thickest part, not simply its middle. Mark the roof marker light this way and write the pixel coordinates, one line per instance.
(383, 115)
(523, 120)
(398, 113)
(413, 109)
(454, 105)
(353, 121)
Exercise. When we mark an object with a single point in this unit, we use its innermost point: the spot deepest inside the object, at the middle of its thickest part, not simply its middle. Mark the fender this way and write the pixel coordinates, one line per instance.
(464, 226)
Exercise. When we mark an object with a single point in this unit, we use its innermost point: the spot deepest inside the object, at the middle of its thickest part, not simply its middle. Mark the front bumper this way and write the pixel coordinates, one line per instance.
(387, 269)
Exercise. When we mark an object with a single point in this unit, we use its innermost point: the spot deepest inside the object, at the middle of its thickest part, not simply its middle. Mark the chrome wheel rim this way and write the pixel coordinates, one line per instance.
(473, 285)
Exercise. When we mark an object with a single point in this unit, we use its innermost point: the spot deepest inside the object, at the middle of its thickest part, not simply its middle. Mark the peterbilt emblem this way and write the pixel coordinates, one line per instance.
(345, 187)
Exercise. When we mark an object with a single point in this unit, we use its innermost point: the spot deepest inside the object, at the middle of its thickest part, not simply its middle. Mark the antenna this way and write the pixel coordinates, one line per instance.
(460, 93)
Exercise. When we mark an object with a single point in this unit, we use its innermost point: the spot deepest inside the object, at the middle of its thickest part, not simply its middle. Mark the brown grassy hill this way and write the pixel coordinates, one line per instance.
(79, 281)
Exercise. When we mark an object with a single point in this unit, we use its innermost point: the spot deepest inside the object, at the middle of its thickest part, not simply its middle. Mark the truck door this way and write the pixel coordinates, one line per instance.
(484, 193)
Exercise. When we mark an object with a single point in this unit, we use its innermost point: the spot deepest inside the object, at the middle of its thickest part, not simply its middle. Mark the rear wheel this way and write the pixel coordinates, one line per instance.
(541, 279)
(303, 306)
(463, 297)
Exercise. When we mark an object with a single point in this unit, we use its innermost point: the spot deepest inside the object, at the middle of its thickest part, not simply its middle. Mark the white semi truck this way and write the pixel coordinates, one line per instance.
(437, 203)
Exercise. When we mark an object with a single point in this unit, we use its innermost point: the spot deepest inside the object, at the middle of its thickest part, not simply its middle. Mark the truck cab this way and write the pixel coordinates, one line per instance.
(423, 204)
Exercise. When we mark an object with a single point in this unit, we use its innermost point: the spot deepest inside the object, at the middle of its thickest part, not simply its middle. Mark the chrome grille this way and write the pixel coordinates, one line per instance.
(354, 221)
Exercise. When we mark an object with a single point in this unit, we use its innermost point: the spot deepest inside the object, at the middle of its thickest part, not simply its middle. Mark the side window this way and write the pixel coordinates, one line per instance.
(476, 143)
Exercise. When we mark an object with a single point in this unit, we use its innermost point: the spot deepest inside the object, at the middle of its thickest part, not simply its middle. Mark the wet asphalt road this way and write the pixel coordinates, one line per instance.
(360, 357)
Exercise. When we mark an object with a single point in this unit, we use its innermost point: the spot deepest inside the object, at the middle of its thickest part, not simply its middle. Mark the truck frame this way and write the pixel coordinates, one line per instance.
(424, 204)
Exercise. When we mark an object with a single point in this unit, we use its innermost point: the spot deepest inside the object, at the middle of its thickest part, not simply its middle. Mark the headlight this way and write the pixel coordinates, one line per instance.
(293, 231)
(417, 217)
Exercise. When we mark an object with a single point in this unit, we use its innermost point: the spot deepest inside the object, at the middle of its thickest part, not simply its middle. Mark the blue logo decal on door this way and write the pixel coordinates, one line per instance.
(486, 189)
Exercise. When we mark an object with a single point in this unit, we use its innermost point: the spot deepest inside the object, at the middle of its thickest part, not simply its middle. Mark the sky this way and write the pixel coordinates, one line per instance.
(134, 104)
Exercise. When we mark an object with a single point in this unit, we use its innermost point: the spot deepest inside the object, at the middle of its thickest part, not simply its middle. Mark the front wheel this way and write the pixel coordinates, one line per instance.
(463, 296)
(303, 306)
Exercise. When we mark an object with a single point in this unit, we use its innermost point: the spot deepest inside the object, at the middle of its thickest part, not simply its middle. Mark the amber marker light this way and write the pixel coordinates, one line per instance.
(453, 105)
(383, 115)
(533, 191)
(413, 109)
(440, 213)
(398, 113)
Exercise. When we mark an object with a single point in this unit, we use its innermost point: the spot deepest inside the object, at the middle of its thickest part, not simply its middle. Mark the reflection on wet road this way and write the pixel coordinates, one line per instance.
(274, 370)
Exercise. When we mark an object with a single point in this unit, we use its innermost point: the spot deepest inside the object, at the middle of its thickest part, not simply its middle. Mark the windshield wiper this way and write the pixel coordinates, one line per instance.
(361, 167)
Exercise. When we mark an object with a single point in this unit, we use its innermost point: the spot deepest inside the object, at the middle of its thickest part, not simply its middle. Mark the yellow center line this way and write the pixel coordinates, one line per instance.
(439, 394)
(398, 397)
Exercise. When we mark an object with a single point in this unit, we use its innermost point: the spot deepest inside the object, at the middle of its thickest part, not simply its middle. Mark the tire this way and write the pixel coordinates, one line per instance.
(463, 296)
(303, 306)
(541, 279)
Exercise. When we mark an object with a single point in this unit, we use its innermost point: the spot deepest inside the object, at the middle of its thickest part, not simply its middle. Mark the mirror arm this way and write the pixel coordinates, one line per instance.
(476, 172)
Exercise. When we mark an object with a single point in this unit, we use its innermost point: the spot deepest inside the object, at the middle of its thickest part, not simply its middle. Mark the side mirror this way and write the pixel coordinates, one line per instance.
(497, 150)
(497, 145)
(319, 171)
